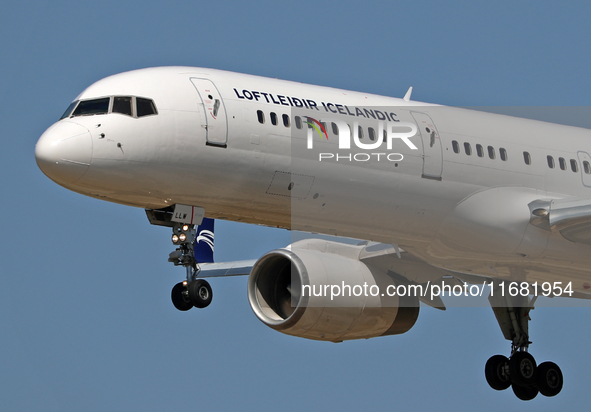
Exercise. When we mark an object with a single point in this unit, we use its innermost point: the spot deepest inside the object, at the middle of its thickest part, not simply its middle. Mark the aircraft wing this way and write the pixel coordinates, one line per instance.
(237, 268)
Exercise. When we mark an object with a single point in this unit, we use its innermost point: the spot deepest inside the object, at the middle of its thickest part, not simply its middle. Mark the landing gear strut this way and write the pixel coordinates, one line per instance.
(192, 292)
(519, 370)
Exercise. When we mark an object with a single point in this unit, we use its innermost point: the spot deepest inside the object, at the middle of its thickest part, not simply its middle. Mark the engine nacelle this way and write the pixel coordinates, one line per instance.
(287, 292)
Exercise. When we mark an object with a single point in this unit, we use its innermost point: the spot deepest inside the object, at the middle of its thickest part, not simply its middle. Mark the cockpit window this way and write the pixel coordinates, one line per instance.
(127, 105)
(91, 107)
(68, 111)
(122, 104)
(145, 107)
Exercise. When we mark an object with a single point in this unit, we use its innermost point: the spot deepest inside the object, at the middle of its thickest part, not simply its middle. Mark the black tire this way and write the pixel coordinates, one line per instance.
(549, 379)
(200, 293)
(496, 372)
(179, 300)
(525, 393)
(522, 368)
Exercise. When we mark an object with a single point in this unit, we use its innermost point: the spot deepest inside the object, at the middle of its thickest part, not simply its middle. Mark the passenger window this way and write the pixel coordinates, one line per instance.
(550, 162)
(261, 117)
(372, 134)
(527, 158)
(385, 136)
(468, 149)
(144, 107)
(335, 129)
(285, 120)
(479, 150)
(562, 163)
(92, 107)
(360, 131)
(491, 152)
(574, 166)
(587, 167)
(455, 146)
(122, 104)
(503, 153)
(274, 118)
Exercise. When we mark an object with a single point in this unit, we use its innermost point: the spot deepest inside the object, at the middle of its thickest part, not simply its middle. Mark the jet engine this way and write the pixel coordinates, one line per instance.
(317, 289)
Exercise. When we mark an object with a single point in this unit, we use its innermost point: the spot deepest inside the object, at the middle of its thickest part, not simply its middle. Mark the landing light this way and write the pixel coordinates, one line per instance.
(185, 228)
(175, 239)
(183, 237)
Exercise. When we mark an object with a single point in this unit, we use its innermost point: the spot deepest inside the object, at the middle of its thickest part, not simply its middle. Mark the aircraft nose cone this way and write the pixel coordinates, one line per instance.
(64, 152)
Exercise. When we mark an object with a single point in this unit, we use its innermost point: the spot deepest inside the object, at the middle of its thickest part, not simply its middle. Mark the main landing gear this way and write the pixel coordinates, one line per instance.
(519, 370)
(192, 292)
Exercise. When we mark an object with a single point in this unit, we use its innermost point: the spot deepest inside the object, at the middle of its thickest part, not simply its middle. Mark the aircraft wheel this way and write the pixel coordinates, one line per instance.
(549, 379)
(179, 299)
(496, 372)
(525, 393)
(200, 293)
(522, 369)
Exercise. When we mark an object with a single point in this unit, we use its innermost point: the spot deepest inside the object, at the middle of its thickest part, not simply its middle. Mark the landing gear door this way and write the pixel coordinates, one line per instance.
(432, 151)
(585, 161)
(216, 122)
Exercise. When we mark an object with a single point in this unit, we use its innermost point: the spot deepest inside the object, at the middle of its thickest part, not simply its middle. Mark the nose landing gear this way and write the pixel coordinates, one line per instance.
(192, 292)
(195, 294)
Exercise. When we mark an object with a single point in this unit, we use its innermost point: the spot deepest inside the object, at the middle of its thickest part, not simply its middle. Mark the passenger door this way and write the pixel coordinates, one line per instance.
(216, 122)
(432, 151)
(585, 168)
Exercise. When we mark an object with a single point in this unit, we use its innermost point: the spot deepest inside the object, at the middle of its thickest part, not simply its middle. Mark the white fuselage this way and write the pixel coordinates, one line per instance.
(206, 146)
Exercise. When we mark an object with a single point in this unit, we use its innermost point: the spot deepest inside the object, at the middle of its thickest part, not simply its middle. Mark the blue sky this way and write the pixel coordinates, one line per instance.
(85, 314)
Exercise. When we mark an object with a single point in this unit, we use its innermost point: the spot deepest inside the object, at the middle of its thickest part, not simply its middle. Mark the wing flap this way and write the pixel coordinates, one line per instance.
(571, 217)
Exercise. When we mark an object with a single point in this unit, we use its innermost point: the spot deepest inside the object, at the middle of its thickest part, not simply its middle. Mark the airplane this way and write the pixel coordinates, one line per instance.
(440, 199)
